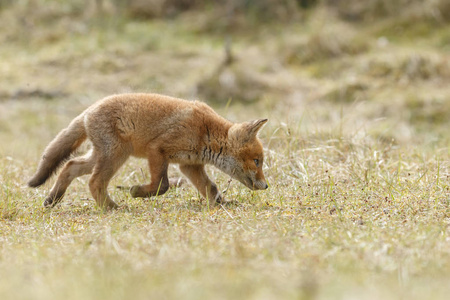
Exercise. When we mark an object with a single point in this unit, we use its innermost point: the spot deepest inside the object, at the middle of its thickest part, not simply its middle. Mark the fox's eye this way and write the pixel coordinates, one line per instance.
(256, 162)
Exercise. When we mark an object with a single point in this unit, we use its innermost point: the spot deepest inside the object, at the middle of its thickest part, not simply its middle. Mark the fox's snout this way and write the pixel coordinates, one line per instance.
(254, 184)
(260, 185)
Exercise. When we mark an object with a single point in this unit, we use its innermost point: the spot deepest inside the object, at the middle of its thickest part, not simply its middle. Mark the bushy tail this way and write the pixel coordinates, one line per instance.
(59, 150)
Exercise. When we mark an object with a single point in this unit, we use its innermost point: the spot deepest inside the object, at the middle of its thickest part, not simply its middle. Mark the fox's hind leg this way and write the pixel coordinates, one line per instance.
(159, 181)
(208, 189)
(72, 169)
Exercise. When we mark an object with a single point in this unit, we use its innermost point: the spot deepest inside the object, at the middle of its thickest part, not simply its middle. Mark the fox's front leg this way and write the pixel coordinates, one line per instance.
(199, 178)
(159, 181)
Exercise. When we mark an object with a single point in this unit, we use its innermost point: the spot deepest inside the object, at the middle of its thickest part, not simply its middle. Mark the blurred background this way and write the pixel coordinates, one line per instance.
(375, 67)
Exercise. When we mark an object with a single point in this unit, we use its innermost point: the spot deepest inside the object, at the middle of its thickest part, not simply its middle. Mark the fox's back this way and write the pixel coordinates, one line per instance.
(150, 120)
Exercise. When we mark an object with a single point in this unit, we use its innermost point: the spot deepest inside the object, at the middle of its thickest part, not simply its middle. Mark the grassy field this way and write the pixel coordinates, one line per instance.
(357, 156)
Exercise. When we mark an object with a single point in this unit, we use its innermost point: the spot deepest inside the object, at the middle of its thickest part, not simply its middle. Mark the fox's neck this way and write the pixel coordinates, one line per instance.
(219, 156)
(215, 146)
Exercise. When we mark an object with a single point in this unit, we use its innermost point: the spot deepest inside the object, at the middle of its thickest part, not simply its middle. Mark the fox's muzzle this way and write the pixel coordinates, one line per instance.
(260, 185)
(255, 184)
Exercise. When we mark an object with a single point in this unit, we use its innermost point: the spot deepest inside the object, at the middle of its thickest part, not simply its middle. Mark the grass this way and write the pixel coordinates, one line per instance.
(344, 216)
(357, 159)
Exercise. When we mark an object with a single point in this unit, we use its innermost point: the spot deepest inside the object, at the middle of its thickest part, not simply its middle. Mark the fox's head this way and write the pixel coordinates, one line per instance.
(246, 154)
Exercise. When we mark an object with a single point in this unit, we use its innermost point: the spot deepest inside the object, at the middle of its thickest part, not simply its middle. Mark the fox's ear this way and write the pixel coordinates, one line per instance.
(244, 132)
(254, 126)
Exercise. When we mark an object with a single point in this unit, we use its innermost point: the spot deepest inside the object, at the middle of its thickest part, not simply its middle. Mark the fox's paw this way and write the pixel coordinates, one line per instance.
(51, 201)
(224, 201)
(148, 190)
(220, 199)
(109, 205)
(48, 203)
(136, 191)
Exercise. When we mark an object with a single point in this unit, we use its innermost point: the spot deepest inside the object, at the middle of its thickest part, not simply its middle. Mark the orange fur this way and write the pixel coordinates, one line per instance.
(161, 129)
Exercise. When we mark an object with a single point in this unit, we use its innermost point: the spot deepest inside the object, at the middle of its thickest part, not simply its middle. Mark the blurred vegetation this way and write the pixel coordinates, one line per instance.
(295, 52)
(262, 10)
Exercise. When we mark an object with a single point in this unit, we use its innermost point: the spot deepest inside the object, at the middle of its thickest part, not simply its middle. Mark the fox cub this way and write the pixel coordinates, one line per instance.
(161, 129)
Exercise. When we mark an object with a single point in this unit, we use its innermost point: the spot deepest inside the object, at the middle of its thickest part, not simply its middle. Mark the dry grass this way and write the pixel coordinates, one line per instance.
(344, 217)
(357, 158)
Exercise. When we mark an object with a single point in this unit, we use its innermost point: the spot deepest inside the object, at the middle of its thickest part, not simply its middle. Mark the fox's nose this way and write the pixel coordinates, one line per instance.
(265, 186)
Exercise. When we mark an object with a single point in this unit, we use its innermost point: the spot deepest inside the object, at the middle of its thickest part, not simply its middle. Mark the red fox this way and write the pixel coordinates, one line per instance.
(161, 129)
